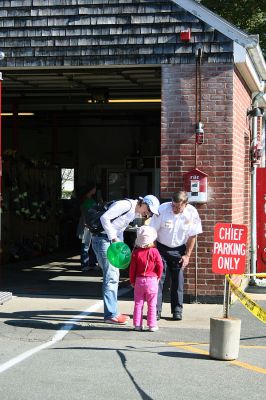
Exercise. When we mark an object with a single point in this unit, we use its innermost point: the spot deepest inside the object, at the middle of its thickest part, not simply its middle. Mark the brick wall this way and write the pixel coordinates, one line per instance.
(224, 156)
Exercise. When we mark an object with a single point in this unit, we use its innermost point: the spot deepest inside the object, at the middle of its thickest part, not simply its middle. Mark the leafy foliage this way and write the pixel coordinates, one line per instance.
(248, 15)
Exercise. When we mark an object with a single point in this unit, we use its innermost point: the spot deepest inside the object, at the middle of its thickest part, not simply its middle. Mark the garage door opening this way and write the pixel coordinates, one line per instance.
(102, 123)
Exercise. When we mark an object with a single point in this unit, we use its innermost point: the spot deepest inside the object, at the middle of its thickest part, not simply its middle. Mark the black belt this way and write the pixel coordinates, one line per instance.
(171, 248)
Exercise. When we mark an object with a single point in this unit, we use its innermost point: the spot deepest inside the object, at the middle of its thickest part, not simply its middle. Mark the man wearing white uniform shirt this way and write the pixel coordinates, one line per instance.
(177, 225)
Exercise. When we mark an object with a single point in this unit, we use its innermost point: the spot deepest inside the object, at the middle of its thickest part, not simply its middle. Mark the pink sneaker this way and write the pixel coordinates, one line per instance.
(120, 319)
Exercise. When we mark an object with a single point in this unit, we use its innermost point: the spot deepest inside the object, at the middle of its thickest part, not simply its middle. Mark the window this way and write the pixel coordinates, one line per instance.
(67, 183)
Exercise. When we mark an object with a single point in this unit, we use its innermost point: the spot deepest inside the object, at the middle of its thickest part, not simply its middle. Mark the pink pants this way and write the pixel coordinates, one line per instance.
(146, 288)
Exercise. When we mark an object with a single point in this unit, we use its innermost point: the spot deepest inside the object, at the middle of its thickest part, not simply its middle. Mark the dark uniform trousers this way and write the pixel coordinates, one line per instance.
(171, 257)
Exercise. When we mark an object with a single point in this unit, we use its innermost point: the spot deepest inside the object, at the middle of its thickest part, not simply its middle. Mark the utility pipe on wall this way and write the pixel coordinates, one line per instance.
(198, 140)
(253, 228)
(254, 113)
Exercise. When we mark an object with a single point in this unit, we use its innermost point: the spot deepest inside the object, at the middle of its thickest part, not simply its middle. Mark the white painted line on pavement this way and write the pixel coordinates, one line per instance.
(60, 334)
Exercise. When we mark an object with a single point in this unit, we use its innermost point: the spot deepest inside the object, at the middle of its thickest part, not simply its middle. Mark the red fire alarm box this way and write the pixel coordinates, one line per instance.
(185, 35)
(196, 186)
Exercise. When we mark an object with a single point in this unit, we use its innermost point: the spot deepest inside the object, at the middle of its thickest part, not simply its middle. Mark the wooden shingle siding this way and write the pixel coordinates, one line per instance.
(92, 32)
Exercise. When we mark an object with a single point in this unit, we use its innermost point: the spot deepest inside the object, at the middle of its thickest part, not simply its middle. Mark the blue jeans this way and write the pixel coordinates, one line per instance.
(100, 245)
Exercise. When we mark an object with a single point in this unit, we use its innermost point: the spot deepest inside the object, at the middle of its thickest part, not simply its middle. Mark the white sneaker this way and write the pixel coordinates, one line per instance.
(153, 328)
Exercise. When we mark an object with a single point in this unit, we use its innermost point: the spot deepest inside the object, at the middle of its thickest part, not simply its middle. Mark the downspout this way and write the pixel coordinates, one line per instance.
(253, 228)
(199, 138)
(254, 113)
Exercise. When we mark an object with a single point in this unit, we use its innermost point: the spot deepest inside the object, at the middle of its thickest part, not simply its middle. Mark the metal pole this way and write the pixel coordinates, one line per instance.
(226, 297)
(253, 232)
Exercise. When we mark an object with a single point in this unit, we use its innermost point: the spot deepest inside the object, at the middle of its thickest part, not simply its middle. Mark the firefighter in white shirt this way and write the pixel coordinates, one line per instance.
(177, 225)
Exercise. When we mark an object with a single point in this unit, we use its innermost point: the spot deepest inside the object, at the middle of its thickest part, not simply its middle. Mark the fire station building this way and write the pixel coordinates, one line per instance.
(145, 97)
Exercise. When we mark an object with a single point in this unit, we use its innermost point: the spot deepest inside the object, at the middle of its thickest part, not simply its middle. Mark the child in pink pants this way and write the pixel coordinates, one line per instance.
(146, 268)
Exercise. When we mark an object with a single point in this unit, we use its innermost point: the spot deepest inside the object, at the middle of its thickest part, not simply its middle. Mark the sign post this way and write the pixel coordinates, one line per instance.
(228, 257)
(226, 298)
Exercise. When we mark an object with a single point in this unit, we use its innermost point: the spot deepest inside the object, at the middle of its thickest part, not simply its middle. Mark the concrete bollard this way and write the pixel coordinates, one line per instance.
(224, 338)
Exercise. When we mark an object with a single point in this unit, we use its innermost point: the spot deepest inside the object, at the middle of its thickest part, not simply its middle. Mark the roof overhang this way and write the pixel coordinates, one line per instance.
(245, 66)
(247, 69)
(258, 60)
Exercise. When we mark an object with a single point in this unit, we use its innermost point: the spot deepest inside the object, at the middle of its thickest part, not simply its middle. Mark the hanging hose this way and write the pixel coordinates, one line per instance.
(199, 73)
(196, 116)
(198, 125)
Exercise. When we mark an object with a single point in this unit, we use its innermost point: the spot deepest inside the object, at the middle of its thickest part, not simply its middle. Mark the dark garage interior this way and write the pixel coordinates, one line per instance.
(102, 124)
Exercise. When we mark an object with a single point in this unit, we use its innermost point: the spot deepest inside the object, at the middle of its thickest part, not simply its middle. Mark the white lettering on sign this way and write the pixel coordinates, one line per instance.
(231, 233)
(194, 177)
(228, 263)
(229, 248)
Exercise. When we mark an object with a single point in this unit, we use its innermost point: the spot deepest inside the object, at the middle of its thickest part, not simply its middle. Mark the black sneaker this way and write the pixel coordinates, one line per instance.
(177, 317)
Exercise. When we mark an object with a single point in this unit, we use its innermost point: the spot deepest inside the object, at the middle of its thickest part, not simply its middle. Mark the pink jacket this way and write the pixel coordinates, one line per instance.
(140, 267)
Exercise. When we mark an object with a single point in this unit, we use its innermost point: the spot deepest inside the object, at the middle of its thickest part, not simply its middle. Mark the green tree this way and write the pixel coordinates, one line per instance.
(248, 15)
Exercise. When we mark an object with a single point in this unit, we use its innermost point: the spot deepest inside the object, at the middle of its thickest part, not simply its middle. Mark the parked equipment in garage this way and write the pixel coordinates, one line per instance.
(31, 208)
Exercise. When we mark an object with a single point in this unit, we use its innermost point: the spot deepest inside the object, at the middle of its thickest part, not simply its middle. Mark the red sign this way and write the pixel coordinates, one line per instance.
(261, 219)
(229, 249)
(195, 176)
